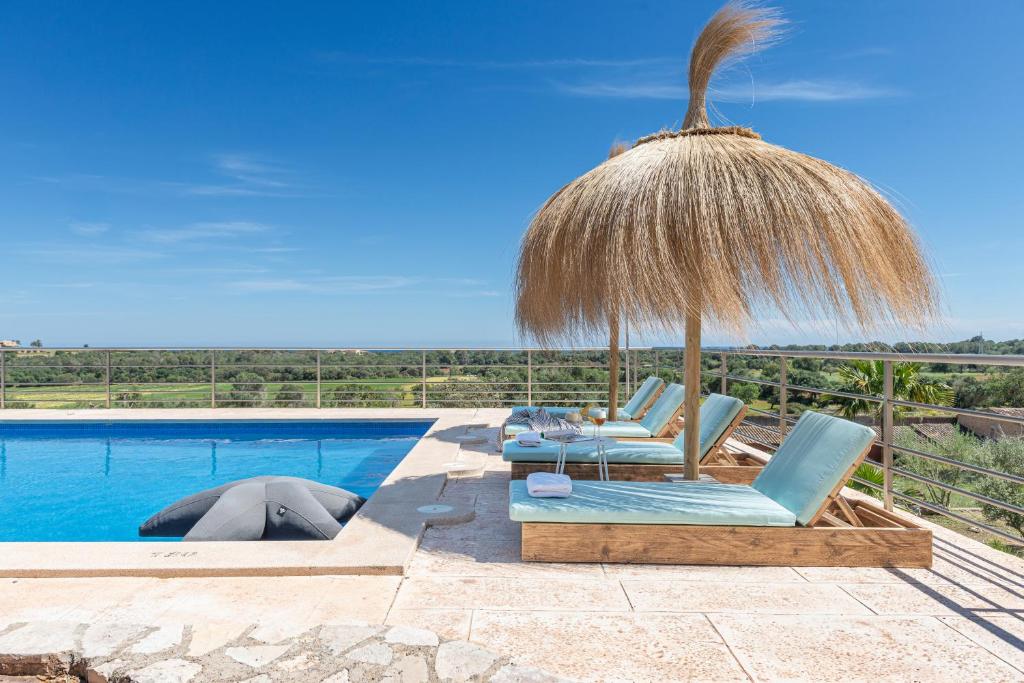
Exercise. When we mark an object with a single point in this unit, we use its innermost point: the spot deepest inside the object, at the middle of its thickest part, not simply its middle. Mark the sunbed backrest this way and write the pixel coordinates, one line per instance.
(812, 462)
(663, 409)
(643, 395)
(716, 414)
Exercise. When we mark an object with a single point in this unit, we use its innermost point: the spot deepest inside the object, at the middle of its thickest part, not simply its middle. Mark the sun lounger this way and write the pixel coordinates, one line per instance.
(635, 409)
(662, 419)
(792, 515)
(645, 461)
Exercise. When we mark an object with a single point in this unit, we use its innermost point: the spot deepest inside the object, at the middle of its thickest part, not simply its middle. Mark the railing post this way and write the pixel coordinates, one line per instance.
(782, 395)
(423, 390)
(3, 379)
(529, 377)
(108, 378)
(723, 367)
(887, 434)
(318, 378)
(629, 374)
(213, 379)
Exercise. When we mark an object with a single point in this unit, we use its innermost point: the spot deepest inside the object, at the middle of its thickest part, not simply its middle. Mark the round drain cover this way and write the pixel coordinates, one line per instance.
(437, 509)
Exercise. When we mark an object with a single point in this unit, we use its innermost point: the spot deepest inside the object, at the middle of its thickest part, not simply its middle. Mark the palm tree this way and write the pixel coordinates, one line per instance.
(866, 377)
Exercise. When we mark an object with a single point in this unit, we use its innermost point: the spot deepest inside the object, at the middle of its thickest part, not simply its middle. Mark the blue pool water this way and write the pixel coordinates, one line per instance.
(99, 481)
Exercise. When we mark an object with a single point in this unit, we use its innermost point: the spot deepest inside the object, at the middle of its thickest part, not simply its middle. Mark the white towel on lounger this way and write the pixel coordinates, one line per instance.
(549, 485)
(528, 438)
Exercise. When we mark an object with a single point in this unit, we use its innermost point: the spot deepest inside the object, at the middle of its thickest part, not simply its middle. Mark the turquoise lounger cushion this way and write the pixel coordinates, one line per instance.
(562, 411)
(633, 453)
(812, 460)
(623, 502)
(641, 397)
(663, 409)
(609, 429)
(715, 415)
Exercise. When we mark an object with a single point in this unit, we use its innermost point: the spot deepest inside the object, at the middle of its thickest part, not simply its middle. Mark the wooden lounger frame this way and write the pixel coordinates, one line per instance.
(724, 466)
(843, 533)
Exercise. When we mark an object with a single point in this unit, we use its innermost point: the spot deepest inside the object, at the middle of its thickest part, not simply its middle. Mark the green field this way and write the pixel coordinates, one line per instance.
(161, 395)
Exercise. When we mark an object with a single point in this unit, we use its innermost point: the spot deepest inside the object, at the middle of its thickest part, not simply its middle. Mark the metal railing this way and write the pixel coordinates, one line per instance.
(235, 377)
(433, 377)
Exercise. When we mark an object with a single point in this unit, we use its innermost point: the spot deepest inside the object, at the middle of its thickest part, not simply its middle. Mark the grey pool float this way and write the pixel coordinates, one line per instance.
(259, 508)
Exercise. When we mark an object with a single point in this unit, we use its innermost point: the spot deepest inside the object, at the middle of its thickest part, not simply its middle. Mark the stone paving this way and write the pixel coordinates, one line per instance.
(116, 652)
(962, 620)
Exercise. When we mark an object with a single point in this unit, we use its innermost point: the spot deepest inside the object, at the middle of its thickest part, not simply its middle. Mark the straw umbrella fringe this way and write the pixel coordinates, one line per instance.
(716, 225)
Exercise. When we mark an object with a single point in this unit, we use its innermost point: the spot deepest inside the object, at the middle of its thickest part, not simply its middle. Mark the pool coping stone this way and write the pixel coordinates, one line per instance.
(379, 540)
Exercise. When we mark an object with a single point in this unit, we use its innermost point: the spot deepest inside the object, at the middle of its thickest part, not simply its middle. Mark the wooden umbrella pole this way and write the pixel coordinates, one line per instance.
(613, 367)
(691, 395)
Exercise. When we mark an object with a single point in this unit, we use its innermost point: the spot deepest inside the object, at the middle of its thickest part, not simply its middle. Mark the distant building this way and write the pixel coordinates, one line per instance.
(989, 428)
(9, 344)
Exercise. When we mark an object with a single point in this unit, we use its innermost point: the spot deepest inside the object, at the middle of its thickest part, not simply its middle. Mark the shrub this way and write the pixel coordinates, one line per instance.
(1005, 455)
(247, 391)
(128, 399)
(871, 473)
(959, 446)
(744, 391)
(289, 396)
(969, 392)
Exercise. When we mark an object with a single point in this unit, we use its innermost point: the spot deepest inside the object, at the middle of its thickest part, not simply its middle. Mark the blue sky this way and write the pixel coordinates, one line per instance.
(266, 173)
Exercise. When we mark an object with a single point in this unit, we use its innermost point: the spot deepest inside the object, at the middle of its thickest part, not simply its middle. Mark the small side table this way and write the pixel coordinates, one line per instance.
(600, 442)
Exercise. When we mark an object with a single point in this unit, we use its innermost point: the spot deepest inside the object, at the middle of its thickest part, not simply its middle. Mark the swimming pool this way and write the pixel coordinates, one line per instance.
(92, 481)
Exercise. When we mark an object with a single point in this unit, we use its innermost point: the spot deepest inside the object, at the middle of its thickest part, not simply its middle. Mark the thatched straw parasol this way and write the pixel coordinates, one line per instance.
(716, 224)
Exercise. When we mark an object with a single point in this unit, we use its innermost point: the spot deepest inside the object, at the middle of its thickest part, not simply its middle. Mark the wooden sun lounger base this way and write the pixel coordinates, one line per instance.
(875, 538)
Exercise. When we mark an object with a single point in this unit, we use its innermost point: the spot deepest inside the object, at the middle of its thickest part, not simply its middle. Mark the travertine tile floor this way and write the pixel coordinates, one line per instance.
(963, 620)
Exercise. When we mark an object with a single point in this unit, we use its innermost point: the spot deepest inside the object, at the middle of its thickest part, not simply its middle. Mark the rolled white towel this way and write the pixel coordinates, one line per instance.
(528, 438)
(548, 485)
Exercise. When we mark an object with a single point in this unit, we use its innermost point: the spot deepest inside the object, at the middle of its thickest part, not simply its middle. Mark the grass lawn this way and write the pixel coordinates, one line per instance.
(163, 395)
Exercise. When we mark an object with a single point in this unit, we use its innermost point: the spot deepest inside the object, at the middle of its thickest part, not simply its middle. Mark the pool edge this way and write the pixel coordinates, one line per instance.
(379, 540)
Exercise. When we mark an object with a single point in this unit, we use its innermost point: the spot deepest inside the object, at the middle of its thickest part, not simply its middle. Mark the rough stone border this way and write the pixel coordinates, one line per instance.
(348, 653)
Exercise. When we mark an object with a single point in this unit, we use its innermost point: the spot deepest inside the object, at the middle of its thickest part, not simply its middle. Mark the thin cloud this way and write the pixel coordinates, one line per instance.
(89, 229)
(805, 90)
(69, 285)
(325, 285)
(869, 51)
(232, 175)
(347, 284)
(196, 232)
(250, 176)
(275, 250)
(632, 91)
(89, 255)
(441, 62)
